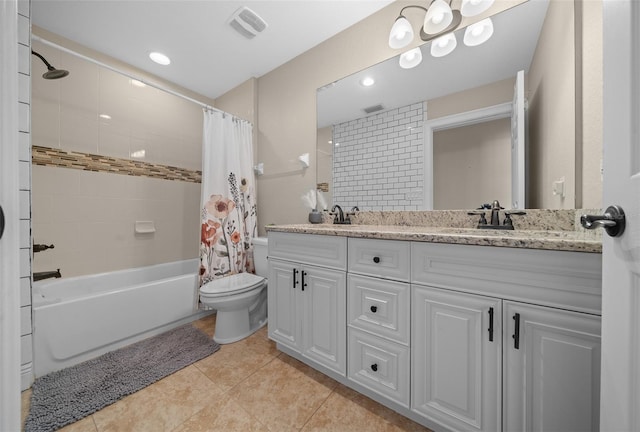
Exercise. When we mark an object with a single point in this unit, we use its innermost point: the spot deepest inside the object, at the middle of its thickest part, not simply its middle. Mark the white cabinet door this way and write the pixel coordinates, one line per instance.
(284, 317)
(456, 358)
(551, 369)
(323, 295)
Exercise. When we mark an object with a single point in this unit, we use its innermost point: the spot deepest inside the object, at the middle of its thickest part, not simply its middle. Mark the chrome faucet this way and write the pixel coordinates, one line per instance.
(338, 217)
(495, 217)
(495, 213)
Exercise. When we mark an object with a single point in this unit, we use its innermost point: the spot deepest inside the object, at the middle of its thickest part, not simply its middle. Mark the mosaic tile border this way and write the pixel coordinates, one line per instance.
(47, 156)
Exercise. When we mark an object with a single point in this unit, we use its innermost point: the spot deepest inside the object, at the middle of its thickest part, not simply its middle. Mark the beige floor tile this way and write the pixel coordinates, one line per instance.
(284, 393)
(162, 406)
(25, 404)
(235, 362)
(347, 410)
(206, 324)
(224, 415)
(84, 425)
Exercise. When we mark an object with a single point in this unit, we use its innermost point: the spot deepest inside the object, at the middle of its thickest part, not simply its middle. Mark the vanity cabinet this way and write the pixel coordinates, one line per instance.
(307, 303)
(540, 372)
(552, 369)
(455, 337)
(457, 358)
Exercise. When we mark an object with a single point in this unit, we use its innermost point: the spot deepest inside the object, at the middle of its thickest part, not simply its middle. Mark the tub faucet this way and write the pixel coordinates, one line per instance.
(46, 275)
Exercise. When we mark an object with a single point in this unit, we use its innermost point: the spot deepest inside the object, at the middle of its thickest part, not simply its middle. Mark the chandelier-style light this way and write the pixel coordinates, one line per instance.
(440, 21)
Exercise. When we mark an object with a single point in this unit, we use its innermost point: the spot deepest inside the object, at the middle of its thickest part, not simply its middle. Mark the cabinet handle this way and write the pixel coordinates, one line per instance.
(295, 281)
(304, 284)
(376, 259)
(1, 221)
(490, 324)
(374, 367)
(516, 333)
(374, 309)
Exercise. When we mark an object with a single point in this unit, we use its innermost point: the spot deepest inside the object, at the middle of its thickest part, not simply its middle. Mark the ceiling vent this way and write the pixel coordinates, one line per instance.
(247, 22)
(373, 109)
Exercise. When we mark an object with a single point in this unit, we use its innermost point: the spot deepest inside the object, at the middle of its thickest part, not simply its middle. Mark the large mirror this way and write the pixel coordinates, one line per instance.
(371, 140)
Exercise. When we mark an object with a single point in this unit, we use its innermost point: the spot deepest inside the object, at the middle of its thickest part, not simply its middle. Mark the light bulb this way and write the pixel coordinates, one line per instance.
(411, 58)
(478, 33)
(438, 17)
(471, 8)
(443, 45)
(401, 33)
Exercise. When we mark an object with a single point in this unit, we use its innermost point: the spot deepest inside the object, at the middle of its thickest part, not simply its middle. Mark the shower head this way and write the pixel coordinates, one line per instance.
(51, 73)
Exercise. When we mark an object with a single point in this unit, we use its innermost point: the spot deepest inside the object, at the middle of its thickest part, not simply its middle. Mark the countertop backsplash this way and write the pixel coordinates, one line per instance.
(534, 220)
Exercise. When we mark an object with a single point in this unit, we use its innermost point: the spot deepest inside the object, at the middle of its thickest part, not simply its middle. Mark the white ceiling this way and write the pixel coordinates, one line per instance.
(208, 56)
(510, 49)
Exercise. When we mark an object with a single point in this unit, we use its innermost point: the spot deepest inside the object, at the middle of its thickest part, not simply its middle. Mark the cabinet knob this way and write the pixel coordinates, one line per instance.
(376, 259)
(374, 367)
(374, 309)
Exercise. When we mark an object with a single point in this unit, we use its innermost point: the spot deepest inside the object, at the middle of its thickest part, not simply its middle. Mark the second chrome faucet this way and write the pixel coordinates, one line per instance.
(495, 217)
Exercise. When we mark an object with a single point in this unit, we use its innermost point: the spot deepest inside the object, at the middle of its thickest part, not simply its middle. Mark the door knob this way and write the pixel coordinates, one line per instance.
(613, 221)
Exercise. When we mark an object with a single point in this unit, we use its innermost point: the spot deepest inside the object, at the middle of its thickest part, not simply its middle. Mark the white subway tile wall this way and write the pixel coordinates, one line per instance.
(24, 155)
(378, 160)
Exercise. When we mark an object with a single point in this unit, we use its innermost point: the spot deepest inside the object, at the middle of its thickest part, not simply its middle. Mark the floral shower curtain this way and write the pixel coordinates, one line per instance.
(228, 204)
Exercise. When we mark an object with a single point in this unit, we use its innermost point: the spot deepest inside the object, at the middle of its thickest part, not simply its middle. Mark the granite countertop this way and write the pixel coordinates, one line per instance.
(576, 241)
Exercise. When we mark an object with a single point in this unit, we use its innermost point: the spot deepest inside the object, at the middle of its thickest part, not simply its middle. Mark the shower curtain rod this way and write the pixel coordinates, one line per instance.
(128, 75)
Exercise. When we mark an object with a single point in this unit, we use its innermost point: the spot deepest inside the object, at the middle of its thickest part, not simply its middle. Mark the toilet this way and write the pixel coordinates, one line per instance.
(240, 299)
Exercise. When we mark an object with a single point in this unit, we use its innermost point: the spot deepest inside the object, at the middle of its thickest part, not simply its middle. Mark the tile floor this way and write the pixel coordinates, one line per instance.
(245, 386)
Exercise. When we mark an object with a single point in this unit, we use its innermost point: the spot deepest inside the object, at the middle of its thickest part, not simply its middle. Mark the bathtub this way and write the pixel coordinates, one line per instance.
(78, 318)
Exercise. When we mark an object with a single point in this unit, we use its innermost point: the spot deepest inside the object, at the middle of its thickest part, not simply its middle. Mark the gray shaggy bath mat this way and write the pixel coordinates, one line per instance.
(68, 395)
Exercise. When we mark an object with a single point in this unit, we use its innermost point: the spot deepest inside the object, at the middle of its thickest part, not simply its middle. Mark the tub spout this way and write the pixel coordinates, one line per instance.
(46, 275)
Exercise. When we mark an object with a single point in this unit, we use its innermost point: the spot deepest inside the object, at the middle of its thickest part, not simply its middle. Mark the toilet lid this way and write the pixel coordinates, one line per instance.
(234, 284)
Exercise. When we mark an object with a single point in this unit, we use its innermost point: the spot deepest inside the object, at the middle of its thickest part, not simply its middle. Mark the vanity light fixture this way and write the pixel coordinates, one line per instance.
(160, 58)
(440, 20)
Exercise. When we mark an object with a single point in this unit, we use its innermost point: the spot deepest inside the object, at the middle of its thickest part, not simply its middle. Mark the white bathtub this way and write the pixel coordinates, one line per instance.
(79, 318)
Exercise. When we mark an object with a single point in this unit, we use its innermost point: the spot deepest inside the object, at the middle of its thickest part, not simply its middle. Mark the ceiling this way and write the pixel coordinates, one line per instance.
(208, 56)
(510, 49)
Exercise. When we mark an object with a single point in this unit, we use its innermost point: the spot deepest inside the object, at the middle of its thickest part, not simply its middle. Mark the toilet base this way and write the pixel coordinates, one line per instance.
(240, 326)
(234, 325)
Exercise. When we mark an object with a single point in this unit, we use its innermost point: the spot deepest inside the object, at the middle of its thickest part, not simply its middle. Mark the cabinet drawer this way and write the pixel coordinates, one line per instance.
(379, 365)
(379, 258)
(379, 306)
(566, 280)
(319, 250)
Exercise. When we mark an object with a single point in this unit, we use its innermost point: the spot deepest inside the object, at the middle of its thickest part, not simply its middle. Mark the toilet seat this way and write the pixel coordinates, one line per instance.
(231, 285)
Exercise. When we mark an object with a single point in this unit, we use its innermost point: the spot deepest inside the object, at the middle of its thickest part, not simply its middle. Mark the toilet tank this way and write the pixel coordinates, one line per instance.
(260, 256)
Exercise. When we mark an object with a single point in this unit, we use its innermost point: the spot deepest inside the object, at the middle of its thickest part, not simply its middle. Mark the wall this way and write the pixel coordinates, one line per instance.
(94, 177)
(324, 163)
(549, 134)
(592, 82)
(24, 137)
(378, 160)
(472, 165)
(287, 108)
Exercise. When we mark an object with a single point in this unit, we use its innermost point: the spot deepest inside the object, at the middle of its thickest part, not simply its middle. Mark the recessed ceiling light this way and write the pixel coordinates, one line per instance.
(367, 81)
(160, 58)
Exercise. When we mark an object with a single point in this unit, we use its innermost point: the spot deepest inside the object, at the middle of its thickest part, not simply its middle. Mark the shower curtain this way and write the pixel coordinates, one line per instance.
(228, 204)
